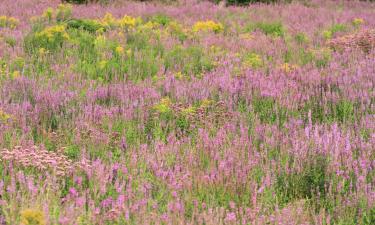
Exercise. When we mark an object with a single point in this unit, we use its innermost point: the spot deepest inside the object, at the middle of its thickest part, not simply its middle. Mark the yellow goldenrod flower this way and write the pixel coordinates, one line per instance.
(127, 22)
(119, 50)
(100, 42)
(358, 21)
(3, 21)
(10, 22)
(327, 34)
(42, 51)
(102, 64)
(32, 217)
(4, 117)
(108, 20)
(178, 75)
(287, 68)
(253, 60)
(191, 110)
(53, 32)
(206, 103)
(163, 106)
(208, 26)
(15, 74)
(48, 13)
(13, 22)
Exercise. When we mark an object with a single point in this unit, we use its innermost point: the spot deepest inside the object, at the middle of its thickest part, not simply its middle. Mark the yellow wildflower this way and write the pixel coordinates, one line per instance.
(42, 51)
(163, 106)
(10, 22)
(108, 20)
(358, 21)
(4, 117)
(208, 25)
(13, 22)
(119, 50)
(100, 41)
(127, 21)
(53, 32)
(103, 64)
(64, 11)
(15, 74)
(253, 60)
(179, 75)
(191, 110)
(287, 68)
(3, 21)
(48, 13)
(327, 34)
(206, 103)
(32, 217)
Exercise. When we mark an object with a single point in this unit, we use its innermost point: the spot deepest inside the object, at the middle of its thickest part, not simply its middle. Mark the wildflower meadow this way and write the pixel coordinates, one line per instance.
(187, 112)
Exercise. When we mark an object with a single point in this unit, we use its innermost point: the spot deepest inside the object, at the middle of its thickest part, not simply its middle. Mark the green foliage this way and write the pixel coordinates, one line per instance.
(369, 217)
(190, 61)
(73, 152)
(306, 184)
(268, 28)
(49, 38)
(85, 24)
(342, 111)
(330, 32)
(161, 19)
(301, 38)
(268, 111)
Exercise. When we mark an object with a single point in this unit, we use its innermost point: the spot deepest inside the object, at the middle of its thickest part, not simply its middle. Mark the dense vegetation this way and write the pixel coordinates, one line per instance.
(191, 113)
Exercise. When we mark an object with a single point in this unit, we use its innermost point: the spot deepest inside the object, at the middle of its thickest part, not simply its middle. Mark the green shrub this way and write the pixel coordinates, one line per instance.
(306, 184)
(189, 61)
(85, 24)
(161, 19)
(268, 28)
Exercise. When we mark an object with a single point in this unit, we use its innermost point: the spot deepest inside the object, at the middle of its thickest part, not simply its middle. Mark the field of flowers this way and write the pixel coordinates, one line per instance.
(190, 113)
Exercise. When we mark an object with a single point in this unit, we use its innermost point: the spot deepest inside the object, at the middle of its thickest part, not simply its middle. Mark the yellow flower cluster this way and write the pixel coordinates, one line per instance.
(163, 106)
(358, 21)
(32, 217)
(42, 52)
(3, 69)
(103, 64)
(191, 110)
(125, 22)
(63, 12)
(100, 42)
(287, 68)
(10, 22)
(253, 60)
(4, 117)
(54, 32)
(327, 34)
(208, 25)
(48, 13)
(119, 50)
